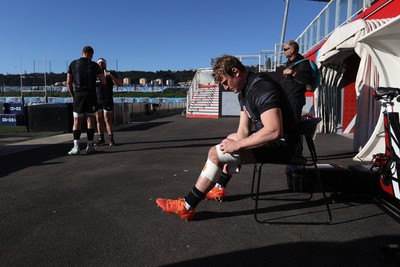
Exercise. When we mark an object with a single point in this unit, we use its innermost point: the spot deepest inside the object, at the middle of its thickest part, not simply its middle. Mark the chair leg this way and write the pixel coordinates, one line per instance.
(257, 192)
(256, 170)
(314, 157)
(328, 209)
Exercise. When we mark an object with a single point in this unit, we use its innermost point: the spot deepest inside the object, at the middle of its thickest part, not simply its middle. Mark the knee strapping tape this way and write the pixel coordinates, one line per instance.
(211, 171)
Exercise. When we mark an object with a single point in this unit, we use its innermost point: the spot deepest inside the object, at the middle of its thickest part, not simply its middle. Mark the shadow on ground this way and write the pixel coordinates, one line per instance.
(381, 250)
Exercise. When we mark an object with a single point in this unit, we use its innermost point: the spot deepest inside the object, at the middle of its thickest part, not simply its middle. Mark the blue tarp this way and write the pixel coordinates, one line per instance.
(62, 100)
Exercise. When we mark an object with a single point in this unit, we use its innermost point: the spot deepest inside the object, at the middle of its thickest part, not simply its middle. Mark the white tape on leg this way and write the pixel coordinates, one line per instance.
(211, 171)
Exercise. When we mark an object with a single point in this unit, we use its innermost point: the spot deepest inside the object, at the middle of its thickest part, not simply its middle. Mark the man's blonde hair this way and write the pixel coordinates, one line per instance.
(224, 65)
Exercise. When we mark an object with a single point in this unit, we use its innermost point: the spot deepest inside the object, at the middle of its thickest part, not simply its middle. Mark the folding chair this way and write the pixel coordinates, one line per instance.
(307, 129)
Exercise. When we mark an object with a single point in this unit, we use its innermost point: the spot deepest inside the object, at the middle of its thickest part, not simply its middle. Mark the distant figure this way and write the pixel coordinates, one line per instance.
(295, 77)
(81, 82)
(106, 103)
(266, 131)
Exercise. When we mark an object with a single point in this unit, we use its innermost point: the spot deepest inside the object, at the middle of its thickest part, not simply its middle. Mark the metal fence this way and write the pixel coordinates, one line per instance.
(46, 89)
(335, 14)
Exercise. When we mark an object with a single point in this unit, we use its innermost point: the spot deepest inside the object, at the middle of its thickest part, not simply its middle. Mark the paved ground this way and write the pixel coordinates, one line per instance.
(99, 210)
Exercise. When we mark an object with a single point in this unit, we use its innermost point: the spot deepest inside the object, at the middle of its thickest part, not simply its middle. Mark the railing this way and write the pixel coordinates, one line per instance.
(335, 14)
(202, 76)
(268, 59)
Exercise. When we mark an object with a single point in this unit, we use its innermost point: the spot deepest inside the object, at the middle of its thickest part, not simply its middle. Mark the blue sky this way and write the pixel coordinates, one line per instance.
(147, 35)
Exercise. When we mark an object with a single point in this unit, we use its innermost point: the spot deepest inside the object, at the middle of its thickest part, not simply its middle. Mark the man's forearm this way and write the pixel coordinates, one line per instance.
(71, 90)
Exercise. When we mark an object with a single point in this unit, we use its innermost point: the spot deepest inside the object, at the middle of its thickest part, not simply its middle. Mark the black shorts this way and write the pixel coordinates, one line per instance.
(278, 151)
(85, 102)
(106, 106)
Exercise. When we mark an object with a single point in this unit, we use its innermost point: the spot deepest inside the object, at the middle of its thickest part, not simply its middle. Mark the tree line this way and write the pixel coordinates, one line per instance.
(38, 79)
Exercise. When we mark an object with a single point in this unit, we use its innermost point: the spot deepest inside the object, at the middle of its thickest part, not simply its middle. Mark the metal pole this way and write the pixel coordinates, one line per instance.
(20, 76)
(45, 81)
(44, 65)
(283, 30)
(20, 68)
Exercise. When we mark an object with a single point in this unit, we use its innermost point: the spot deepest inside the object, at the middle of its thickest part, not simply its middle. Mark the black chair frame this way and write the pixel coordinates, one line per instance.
(306, 130)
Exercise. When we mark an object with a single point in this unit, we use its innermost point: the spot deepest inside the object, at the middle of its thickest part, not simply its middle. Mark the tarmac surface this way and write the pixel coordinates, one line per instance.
(100, 210)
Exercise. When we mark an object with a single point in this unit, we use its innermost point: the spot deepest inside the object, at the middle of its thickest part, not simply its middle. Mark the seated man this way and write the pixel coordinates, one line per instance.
(264, 109)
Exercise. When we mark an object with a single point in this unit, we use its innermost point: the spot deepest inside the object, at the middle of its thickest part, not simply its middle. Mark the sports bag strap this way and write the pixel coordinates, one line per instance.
(301, 60)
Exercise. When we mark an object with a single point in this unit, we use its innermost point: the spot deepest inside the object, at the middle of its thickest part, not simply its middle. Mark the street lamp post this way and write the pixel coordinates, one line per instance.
(283, 30)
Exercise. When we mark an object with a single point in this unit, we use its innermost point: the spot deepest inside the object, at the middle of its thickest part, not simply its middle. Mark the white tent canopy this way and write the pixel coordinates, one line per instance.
(342, 38)
(383, 46)
(344, 42)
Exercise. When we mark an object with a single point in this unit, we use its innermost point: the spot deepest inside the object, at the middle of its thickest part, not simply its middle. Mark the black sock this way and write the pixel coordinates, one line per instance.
(76, 134)
(224, 179)
(101, 137)
(111, 137)
(194, 197)
(90, 134)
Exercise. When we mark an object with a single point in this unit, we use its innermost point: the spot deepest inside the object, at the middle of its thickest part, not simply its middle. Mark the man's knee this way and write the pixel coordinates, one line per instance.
(99, 115)
(213, 156)
(78, 120)
(108, 116)
(227, 158)
(91, 120)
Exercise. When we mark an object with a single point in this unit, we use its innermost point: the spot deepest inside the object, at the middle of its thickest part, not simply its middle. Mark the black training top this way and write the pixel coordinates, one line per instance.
(85, 74)
(262, 93)
(295, 86)
(105, 93)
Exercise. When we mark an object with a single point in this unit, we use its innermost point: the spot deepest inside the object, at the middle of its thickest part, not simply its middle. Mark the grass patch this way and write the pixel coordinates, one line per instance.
(20, 131)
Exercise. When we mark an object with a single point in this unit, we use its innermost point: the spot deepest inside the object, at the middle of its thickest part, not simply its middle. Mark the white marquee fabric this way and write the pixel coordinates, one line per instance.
(343, 42)
(383, 47)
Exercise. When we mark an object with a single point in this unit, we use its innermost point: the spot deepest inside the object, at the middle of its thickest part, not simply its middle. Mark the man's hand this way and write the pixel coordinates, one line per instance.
(229, 146)
(288, 71)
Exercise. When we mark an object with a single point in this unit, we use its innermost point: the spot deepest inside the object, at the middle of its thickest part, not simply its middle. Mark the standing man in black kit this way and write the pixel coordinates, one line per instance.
(81, 81)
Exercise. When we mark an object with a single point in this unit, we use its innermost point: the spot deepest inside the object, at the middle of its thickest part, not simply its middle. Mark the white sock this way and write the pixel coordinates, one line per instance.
(76, 144)
(217, 185)
(187, 206)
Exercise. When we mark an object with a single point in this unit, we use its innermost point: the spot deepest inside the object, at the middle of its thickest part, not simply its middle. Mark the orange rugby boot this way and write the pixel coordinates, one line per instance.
(217, 194)
(175, 206)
